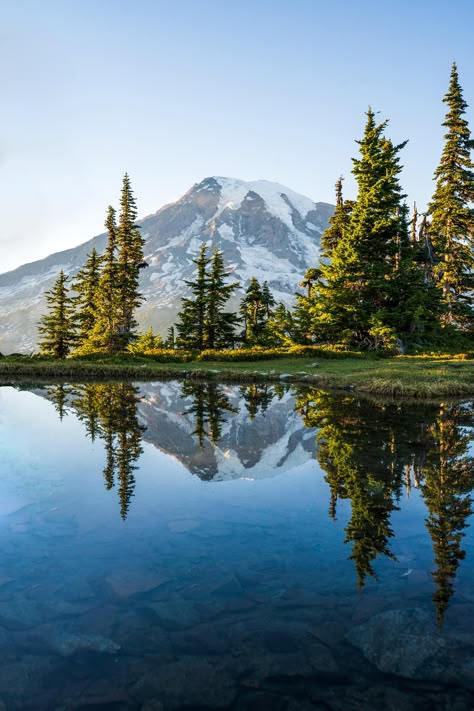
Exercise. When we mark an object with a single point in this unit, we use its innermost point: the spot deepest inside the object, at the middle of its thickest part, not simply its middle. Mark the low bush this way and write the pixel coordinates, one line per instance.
(168, 355)
(259, 353)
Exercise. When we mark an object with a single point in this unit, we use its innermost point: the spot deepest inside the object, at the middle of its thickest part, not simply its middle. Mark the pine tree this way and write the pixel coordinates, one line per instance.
(253, 313)
(280, 327)
(86, 285)
(338, 222)
(191, 325)
(104, 335)
(268, 301)
(146, 342)
(219, 325)
(170, 338)
(202, 322)
(57, 327)
(130, 261)
(359, 294)
(452, 212)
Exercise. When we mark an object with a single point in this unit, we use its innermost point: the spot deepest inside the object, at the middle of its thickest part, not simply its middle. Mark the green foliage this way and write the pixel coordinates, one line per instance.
(371, 285)
(170, 341)
(114, 297)
(338, 223)
(146, 342)
(452, 212)
(280, 327)
(260, 353)
(103, 336)
(256, 309)
(58, 328)
(86, 285)
(202, 321)
(130, 261)
(219, 325)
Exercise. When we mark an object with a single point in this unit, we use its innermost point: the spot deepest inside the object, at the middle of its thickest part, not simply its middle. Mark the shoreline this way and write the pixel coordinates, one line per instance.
(400, 377)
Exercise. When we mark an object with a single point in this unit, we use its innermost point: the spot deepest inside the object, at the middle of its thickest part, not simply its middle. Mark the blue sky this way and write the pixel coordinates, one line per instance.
(176, 91)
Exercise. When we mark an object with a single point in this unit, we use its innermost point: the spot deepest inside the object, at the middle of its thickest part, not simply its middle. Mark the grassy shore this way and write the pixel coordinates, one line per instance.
(402, 376)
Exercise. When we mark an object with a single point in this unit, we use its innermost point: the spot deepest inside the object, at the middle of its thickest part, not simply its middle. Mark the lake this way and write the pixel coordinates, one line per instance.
(190, 545)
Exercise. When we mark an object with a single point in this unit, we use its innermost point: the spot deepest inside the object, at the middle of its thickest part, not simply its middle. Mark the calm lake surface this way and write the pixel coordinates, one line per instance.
(199, 546)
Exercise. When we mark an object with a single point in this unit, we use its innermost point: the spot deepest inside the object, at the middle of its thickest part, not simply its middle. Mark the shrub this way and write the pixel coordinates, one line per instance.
(259, 353)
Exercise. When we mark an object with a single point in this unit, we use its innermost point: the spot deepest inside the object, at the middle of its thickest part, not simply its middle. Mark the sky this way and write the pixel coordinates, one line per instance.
(174, 91)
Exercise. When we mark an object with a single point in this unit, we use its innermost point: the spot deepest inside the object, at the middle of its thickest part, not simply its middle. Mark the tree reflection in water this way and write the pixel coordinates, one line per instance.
(369, 450)
(109, 412)
(209, 408)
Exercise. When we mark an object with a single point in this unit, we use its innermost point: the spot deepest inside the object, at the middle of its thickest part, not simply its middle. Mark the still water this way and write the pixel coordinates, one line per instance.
(199, 546)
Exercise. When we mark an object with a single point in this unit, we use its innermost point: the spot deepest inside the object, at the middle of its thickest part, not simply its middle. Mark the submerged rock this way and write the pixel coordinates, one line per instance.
(187, 683)
(398, 641)
(68, 643)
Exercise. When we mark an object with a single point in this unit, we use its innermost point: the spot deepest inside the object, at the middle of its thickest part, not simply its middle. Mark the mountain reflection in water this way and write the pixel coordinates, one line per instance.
(193, 545)
(371, 452)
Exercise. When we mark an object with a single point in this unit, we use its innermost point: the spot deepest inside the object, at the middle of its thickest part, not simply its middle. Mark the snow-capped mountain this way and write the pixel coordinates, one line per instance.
(270, 442)
(265, 230)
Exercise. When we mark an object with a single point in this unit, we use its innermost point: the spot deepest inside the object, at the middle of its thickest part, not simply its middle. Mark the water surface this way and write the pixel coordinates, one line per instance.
(198, 546)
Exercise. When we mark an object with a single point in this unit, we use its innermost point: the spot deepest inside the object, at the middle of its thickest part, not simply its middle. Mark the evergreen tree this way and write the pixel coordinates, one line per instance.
(303, 311)
(86, 285)
(360, 295)
(104, 336)
(452, 211)
(147, 341)
(57, 328)
(253, 312)
(130, 261)
(268, 301)
(170, 338)
(219, 325)
(202, 322)
(280, 327)
(191, 324)
(338, 222)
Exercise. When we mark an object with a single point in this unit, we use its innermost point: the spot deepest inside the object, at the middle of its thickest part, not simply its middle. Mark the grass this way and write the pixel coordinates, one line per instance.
(401, 376)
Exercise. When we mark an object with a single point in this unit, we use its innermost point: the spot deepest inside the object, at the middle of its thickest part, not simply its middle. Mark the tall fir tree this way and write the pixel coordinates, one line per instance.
(280, 327)
(202, 321)
(86, 285)
(253, 312)
(57, 328)
(220, 325)
(104, 335)
(304, 305)
(338, 222)
(359, 295)
(452, 211)
(170, 338)
(191, 324)
(130, 261)
(268, 300)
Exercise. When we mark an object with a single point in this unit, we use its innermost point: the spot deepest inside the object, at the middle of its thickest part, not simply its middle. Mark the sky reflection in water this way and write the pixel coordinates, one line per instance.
(191, 544)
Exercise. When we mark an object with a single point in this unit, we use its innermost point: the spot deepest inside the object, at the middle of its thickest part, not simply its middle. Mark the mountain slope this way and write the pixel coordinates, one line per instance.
(266, 445)
(265, 230)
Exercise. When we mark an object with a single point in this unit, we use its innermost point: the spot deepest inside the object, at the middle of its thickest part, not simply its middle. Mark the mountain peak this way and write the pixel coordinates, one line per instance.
(265, 230)
(233, 191)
